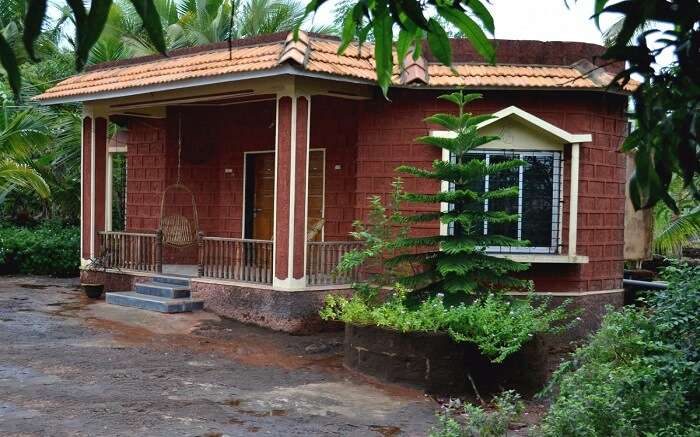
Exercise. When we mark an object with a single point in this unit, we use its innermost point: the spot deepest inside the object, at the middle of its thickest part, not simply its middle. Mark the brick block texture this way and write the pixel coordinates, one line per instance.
(365, 141)
(386, 133)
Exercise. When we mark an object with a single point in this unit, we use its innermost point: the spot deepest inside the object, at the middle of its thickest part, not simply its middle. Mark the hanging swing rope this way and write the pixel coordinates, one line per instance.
(177, 229)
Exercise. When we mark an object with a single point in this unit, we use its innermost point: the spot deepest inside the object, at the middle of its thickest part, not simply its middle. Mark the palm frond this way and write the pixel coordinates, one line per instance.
(679, 232)
(21, 175)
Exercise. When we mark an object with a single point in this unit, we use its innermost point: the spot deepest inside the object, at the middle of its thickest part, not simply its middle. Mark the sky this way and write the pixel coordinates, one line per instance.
(544, 20)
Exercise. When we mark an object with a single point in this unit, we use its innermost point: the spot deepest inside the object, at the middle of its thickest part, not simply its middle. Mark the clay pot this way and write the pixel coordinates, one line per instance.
(93, 291)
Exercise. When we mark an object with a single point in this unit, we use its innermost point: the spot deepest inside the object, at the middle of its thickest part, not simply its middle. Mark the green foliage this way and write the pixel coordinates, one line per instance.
(639, 374)
(458, 264)
(666, 111)
(672, 231)
(497, 325)
(385, 225)
(192, 23)
(376, 20)
(457, 420)
(49, 249)
(20, 132)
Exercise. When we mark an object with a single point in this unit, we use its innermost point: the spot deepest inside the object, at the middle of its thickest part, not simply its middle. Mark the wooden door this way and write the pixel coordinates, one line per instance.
(260, 195)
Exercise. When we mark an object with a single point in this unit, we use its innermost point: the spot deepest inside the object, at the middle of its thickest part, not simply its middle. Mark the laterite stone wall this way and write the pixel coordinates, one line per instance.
(386, 133)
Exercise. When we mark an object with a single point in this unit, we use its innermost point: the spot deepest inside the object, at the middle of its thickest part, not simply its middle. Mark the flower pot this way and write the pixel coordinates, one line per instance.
(93, 291)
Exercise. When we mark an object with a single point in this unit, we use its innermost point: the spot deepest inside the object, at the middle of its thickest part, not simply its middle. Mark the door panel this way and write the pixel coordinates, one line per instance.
(260, 194)
(314, 225)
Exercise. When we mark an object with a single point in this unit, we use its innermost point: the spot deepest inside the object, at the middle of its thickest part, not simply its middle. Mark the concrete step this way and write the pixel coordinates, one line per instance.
(162, 289)
(172, 280)
(153, 303)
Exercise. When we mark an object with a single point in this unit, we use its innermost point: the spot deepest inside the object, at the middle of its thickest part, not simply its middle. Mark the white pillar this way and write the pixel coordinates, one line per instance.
(573, 198)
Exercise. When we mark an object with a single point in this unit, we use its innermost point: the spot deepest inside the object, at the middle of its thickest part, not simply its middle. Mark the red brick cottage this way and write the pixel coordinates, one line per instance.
(281, 142)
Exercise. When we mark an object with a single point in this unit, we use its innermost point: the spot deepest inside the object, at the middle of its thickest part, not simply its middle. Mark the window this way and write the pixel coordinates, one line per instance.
(537, 203)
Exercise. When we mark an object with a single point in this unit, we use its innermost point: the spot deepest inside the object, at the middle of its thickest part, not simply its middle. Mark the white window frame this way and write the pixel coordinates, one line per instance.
(557, 176)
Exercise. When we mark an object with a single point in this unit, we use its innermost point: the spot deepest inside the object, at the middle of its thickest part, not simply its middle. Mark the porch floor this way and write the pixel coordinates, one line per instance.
(187, 270)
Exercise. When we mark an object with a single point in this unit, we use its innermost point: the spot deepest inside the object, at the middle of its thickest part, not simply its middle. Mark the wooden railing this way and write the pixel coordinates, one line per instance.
(236, 259)
(322, 259)
(129, 250)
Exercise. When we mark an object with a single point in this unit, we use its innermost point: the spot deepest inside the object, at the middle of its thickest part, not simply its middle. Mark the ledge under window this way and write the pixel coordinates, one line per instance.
(543, 258)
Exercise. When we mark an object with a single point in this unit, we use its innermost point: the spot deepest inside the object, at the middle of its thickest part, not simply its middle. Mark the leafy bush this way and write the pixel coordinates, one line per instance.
(498, 325)
(49, 249)
(640, 373)
(471, 420)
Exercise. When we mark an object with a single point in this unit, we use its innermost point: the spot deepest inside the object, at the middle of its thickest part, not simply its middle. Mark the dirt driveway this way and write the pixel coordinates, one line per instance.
(69, 366)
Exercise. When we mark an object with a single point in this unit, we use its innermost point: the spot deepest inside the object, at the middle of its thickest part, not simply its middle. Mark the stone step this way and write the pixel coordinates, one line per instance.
(162, 289)
(172, 280)
(153, 303)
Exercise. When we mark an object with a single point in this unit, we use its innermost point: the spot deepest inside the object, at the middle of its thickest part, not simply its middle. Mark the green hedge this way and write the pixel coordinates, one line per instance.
(49, 249)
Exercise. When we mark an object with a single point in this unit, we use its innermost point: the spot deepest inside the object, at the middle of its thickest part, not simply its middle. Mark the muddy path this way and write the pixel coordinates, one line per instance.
(70, 366)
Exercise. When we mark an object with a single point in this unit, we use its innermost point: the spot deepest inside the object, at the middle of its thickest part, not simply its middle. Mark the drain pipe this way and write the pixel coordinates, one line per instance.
(644, 285)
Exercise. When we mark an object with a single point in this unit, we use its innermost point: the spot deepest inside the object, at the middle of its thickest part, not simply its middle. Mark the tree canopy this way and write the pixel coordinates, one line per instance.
(665, 138)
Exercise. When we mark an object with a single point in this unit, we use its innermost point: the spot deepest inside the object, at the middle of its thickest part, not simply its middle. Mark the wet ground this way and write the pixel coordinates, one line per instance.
(71, 366)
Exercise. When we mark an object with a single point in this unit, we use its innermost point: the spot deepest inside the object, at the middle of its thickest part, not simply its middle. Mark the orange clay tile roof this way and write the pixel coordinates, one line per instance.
(316, 55)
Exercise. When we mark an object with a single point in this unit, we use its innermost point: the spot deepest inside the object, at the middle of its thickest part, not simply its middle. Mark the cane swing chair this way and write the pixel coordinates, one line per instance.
(178, 210)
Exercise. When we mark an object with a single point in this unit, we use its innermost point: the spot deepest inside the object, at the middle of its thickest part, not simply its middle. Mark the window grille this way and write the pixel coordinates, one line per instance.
(538, 204)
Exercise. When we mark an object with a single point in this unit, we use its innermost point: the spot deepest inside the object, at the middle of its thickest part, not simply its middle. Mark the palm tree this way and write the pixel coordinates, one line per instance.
(672, 231)
(20, 133)
(189, 23)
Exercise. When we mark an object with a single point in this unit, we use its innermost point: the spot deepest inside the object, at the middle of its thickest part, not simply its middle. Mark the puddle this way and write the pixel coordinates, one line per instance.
(386, 431)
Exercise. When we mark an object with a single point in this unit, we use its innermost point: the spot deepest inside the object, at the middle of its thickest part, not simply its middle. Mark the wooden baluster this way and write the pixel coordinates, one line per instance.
(312, 263)
(153, 254)
(159, 251)
(270, 250)
(227, 259)
(200, 254)
(247, 254)
(240, 261)
(221, 259)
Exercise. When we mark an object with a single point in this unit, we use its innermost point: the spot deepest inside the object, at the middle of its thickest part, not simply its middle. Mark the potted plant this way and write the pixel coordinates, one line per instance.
(98, 264)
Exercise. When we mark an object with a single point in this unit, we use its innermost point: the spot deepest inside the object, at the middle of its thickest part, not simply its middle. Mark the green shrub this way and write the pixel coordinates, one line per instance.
(471, 420)
(639, 374)
(498, 325)
(49, 249)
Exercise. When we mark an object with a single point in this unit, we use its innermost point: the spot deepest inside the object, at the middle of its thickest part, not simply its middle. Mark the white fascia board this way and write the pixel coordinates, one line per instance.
(562, 135)
(202, 81)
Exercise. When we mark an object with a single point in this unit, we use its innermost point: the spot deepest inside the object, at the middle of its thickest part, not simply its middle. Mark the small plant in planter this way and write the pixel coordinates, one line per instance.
(96, 264)
(448, 283)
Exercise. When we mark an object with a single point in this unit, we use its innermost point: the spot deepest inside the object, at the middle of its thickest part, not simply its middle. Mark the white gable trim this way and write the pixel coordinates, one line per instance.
(536, 122)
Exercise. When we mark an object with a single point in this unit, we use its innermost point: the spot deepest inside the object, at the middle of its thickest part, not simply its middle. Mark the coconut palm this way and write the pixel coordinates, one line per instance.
(673, 231)
(20, 133)
(189, 23)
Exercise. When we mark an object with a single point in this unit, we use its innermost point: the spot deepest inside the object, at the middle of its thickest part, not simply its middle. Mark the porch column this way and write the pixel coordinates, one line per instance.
(573, 198)
(93, 184)
(291, 157)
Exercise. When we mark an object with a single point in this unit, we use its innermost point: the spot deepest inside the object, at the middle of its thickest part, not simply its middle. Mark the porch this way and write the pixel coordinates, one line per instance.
(229, 259)
(265, 176)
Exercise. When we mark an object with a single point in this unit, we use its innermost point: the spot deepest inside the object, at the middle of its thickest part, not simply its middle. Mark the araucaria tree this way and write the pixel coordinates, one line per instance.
(458, 263)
